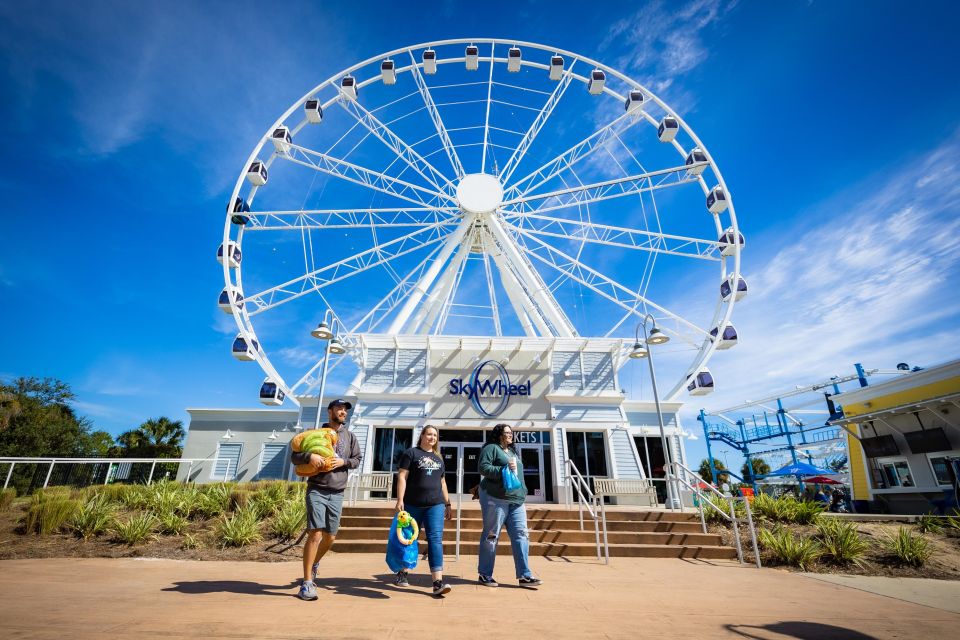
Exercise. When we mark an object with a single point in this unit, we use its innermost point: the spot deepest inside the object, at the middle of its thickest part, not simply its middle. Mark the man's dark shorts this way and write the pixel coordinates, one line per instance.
(323, 509)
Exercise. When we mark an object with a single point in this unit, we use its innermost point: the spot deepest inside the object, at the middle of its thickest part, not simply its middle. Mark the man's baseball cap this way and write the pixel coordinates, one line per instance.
(339, 401)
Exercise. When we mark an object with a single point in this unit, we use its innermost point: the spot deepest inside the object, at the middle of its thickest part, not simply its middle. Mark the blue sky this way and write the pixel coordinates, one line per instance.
(835, 126)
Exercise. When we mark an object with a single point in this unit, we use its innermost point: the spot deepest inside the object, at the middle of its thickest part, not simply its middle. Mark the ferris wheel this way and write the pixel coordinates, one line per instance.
(479, 187)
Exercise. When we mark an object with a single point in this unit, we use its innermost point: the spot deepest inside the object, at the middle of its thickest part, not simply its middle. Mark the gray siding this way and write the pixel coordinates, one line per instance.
(622, 448)
(393, 410)
(587, 413)
(379, 367)
(566, 361)
(598, 371)
(415, 359)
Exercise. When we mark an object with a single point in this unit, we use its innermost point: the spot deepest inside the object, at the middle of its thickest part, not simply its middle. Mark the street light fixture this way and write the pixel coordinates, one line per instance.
(642, 350)
(326, 333)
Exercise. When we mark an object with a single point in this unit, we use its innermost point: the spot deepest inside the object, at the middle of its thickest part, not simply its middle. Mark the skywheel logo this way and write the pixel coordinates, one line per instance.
(489, 394)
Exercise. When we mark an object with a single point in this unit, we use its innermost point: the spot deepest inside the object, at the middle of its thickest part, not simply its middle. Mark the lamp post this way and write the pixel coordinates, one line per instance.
(641, 350)
(324, 331)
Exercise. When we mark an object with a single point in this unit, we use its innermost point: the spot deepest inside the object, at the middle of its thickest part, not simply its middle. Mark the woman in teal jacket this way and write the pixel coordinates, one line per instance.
(503, 506)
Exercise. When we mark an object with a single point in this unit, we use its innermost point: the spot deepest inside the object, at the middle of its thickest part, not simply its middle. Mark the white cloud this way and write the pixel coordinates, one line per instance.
(870, 284)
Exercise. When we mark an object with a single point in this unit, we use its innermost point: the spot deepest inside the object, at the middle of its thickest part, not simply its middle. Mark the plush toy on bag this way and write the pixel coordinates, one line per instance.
(320, 441)
(402, 545)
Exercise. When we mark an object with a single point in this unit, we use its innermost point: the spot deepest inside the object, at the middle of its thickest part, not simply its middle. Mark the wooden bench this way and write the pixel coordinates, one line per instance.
(642, 490)
(368, 482)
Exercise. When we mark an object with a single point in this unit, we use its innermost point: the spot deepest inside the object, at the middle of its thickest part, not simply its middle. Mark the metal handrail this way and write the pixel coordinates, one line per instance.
(697, 489)
(576, 479)
(459, 500)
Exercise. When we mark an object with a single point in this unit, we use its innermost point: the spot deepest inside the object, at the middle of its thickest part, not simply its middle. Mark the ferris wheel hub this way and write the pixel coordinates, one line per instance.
(479, 193)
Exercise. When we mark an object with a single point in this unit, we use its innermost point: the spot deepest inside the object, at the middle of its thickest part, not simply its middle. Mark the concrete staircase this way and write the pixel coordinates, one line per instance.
(554, 531)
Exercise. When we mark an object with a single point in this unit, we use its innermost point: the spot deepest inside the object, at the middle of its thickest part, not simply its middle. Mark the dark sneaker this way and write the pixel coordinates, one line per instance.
(401, 580)
(308, 591)
(487, 581)
(314, 570)
(530, 581)
(440, 588)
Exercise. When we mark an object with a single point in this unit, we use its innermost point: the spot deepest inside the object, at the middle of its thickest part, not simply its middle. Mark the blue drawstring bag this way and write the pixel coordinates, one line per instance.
(510, 479)
(402, 545)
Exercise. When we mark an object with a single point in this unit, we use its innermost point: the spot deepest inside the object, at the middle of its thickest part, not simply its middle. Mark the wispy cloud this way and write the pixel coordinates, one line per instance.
(870, 283)
(660, 41)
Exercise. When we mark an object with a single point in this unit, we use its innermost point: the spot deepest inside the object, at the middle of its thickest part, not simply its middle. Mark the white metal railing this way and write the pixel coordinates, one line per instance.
(53, 461)
(587, 500)
(684, 476)
(459, 499)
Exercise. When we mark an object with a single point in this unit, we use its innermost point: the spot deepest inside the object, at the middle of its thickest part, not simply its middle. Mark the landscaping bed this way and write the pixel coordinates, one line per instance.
(799, 536)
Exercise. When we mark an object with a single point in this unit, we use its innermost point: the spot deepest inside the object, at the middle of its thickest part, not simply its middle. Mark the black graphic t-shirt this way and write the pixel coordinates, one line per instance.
(424, 475)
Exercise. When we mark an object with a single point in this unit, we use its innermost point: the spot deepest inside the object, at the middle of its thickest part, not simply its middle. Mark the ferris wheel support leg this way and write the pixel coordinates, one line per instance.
(535, 286)
(416, 295)
(426, 314)
(515, 297)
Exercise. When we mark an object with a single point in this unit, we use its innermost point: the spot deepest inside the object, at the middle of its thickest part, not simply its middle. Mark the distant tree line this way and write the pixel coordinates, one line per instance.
(36, 420)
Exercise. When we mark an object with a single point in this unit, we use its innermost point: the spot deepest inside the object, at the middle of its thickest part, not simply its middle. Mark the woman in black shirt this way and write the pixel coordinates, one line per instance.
(422, 492)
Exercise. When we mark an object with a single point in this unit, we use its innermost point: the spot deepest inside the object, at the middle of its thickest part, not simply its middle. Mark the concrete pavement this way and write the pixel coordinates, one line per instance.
(630, 598)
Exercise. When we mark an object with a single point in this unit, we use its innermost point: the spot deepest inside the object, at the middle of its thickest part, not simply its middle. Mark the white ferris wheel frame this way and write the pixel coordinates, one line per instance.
(529, 292)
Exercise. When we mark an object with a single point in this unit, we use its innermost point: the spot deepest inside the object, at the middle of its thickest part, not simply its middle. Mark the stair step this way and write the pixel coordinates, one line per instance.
(552, 513)
(473, 521)
(550, 536)
(566, 549)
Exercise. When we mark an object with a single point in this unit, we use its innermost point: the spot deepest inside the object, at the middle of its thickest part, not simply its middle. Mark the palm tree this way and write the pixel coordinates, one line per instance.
(155, 438)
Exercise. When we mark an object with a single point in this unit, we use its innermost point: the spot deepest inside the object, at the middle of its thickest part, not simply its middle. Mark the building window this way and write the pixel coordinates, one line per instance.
(588, 452)
(272, 461)
(940, 470)
(388, 444)
(896, 473)
(227, 461)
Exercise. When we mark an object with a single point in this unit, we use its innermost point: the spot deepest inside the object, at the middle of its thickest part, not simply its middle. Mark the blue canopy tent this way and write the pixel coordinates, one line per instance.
(799, 469)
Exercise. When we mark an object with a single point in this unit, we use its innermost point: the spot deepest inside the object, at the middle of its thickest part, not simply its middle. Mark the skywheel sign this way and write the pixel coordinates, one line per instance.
(489, 388)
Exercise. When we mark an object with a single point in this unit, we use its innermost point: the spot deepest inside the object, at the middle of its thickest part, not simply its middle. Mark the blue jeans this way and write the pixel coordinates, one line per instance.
(496, 513)
(431, 519)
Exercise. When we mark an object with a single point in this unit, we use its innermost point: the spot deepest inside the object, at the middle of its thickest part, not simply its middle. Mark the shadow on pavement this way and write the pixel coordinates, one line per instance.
(233, 586)
(799, 630)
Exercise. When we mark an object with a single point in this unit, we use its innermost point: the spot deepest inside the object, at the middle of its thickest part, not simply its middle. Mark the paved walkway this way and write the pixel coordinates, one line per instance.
(631, 598)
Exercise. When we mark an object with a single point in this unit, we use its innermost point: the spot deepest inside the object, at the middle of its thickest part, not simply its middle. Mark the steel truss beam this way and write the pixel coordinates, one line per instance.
(401, 149)
(366, 177)
(604, 286)
(606, 190)
(349, 218)
(345, 268)
(435, 117)
(616, 236)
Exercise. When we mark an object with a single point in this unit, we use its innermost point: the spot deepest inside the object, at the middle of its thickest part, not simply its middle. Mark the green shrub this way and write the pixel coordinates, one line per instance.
(6, 498)
(214, 500)
(171, 524)
(49, 511)
(930, 523)
(137, 529)
(806, 511)
(239, 529)
(840, 541)
(953, 520)
(189, 501)
(789, 549)
(290, 520)
(94, 517)
(136, 497)
(240, 499)
(909, 548)
(164, 497)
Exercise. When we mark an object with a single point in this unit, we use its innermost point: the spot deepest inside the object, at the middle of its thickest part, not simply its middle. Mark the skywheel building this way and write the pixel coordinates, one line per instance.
(467, 232)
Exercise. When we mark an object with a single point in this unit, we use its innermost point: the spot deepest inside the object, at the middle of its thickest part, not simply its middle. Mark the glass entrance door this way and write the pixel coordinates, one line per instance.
(532, 458)
(452, 453)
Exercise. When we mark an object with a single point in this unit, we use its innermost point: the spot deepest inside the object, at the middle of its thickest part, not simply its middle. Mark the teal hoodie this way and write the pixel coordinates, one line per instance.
(493, 460)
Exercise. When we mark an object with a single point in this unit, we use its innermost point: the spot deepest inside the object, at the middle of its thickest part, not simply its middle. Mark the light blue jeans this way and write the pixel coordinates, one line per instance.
(431, 519)
(496, 513)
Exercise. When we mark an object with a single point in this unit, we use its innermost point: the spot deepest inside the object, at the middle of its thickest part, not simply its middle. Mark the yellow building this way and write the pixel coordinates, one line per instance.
(900, 436)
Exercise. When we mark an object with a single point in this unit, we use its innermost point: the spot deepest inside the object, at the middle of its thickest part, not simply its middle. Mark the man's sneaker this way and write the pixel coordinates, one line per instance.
(487, 581)
(440, 588)
(308, 591)
(401, 580)
(314, 570)
(530, 581)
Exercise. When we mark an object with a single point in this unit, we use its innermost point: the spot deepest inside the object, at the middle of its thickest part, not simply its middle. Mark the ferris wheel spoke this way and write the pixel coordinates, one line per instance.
(585, 231)
(366, 177)
(486, 124)
(606, 190)
(398, 294)
(400, 148)
(435, 117)
(345, 268)
(537, 125)
(604, 286)
(349, 218)
(595, 141)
